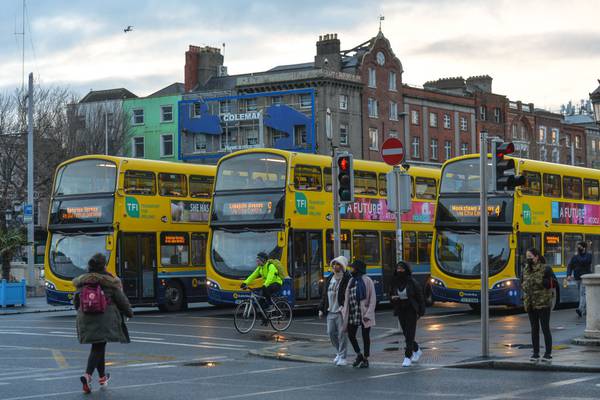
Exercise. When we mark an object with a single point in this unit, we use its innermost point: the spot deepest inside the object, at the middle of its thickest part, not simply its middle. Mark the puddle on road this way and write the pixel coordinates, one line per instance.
(529, 346)
(204, 364)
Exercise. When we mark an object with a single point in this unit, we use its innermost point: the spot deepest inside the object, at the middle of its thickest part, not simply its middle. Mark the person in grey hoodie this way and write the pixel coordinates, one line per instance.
(331, 304)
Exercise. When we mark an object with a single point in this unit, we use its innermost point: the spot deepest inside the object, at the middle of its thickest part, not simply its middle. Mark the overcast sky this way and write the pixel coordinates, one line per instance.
(541, 51)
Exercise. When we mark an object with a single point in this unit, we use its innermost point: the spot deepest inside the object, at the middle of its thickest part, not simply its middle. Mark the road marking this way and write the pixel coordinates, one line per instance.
(399, 373)
(519, 392)
(60, 359)
(572, 381)
(197, 346)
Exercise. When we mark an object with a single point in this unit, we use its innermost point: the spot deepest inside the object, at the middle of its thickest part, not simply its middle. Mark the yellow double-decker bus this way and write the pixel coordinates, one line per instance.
(558, 206)
(281, 203)
(150, 219)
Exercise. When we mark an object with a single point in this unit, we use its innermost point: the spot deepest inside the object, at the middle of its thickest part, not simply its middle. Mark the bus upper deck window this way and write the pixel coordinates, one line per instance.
(327, 179)
(572, 187)
(382, 184)
(590, 189)
(533, 183)
(140, 182)
(201, 186)
(425, 188)
(365, 182)
(172, 185)
(552, 187)
(307, 177)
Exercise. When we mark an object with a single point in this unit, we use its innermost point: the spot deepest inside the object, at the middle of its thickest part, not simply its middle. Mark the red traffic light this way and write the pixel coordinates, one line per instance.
(344, 163)
(504, 149)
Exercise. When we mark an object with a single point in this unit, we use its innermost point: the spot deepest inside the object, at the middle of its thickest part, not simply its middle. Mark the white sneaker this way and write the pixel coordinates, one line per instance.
(406, 362)
(416, 355)
(341, 362)
(336, 359)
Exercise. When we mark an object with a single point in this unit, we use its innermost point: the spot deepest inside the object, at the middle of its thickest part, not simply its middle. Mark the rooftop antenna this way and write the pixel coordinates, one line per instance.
(223, 45)
(381, 18)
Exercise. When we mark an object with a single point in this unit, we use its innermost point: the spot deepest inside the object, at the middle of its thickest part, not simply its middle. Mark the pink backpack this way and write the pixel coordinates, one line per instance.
(92, 299)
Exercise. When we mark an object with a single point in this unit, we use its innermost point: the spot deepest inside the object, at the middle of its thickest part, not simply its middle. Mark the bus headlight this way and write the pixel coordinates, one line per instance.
(50, 285)
(507, 284)
(212, 284)
(437, 282)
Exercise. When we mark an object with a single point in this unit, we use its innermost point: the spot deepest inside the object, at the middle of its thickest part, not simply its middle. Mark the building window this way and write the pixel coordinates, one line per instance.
(497, 115)
(372, 78)
(343, 102)
(199, 143)
(343, 134)
(434, 149)
(482, 113)
(433, 120)
(542, 134)
(555, 156)
(372, 105)
(567, 141)
(543, 154)
(393, 111)
(166, 145)
(414, 117)
(305, 101)
(577, 141)
(300, 135)
(554, 136)
(464, 149)
(137, 145)
(416, 152)
(594, 145)
(252, 136)
(276, 100)
(166, 113)
(373, 139)
(464, 126)
(138, 116)
(250, 105)
(393, 86)
(447, 121)
(448, 149)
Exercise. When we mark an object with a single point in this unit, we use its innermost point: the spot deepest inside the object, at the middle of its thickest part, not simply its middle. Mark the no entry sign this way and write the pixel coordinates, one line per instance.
(392, 151)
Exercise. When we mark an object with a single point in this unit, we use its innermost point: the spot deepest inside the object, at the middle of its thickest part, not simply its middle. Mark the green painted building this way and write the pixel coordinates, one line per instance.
(153, 124)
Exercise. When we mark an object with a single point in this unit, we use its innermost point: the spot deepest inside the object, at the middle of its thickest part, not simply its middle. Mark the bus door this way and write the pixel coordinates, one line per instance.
(307, 256)
(524, 242)
(138, 266)
(388, 248)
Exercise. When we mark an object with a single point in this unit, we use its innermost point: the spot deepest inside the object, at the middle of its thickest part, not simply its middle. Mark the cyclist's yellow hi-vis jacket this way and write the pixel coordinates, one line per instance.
(268, 272)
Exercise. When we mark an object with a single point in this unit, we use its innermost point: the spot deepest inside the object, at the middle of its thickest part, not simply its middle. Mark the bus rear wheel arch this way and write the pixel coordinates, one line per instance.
(175, 299)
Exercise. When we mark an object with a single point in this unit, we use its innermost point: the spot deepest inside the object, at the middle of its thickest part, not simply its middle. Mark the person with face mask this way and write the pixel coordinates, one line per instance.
(537, 282)
(580, 264)
(407, 298)
(359, 311)
(331, 304)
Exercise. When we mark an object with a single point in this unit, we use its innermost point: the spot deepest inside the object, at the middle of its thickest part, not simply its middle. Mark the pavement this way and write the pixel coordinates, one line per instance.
(33, 305)
(452, 338)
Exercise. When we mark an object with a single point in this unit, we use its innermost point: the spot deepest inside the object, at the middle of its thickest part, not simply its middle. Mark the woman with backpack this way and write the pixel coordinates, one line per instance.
(408, 301)
(101, 306)
(537, 283)
(359, 311)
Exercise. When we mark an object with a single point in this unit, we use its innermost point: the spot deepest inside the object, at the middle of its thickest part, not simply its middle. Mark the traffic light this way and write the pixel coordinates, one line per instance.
(345, 178)
(505, 168)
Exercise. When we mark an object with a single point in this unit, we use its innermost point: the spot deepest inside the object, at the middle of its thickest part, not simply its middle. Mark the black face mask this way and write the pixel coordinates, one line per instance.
(580, 250)
(530, 262)
(401, 276)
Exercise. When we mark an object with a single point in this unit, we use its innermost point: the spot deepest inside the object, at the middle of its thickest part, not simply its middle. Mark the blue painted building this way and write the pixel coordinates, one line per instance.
(213, 125)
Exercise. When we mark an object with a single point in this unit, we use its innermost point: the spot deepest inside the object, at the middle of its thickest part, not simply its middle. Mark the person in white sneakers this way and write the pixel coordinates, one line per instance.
(409, 305)
(332, 301)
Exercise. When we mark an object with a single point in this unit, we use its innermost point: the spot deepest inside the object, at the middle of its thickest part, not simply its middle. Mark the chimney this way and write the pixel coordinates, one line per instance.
(328, 53)
(201, 64)
(481, 83)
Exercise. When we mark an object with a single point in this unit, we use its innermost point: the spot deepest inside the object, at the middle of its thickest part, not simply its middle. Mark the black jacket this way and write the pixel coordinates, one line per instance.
(580, 264)
(414, 293)
(324, 305)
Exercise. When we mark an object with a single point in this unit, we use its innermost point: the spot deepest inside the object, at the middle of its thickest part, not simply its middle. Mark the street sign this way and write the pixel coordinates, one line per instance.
(392, 151)
(27, 213)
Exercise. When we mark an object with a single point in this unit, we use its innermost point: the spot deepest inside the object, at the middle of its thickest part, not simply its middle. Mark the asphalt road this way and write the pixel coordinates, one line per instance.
(197, 354)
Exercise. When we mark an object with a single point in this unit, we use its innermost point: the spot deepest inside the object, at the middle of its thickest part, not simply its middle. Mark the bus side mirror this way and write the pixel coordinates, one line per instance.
(281, 242)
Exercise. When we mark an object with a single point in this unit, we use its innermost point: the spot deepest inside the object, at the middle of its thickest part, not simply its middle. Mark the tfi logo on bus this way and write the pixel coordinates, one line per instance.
(132, 207)
(526, 214)
(301, 203)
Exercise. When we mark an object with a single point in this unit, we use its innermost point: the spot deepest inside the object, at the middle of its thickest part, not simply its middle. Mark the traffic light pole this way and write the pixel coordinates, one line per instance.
(484, 298)
(337, 243)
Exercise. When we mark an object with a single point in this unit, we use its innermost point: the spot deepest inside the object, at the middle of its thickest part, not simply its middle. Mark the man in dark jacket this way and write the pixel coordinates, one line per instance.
(99, 328)
(409, 305)
(331, 302)
(580, 264)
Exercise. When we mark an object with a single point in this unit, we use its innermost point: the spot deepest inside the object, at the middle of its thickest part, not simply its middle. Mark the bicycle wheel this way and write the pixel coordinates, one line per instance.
(281, 318)
(244, 317)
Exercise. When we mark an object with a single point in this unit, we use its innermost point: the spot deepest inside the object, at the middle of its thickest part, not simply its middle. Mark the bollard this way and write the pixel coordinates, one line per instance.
(592, 296)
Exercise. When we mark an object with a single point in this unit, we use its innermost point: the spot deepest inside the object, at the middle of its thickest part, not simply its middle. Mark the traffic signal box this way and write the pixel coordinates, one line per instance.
(505, 168)
(345, 178)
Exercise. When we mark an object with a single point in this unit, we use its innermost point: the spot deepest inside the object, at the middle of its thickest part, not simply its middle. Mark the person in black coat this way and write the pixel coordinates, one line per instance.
(409, 305)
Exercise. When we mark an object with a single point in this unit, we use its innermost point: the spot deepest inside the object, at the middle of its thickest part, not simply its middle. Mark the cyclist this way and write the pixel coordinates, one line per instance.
(271, 280)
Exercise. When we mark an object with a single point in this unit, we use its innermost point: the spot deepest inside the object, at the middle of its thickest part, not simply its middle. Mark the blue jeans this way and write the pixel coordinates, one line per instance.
(581, 288)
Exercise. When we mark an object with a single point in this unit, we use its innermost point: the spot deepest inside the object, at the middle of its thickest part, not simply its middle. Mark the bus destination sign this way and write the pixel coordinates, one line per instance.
(463, 211)
(82, 211)
(245, 208)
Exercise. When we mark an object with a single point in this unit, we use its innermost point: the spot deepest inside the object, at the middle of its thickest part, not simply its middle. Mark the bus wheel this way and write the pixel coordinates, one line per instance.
(174, 297)
(428, 296)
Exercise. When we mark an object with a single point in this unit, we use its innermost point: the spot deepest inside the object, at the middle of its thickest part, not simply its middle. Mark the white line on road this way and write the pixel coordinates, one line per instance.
(519, 392)
(572, 381)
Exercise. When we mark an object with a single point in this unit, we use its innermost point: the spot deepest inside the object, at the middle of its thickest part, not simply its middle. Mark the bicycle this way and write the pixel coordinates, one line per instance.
(280, 317)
